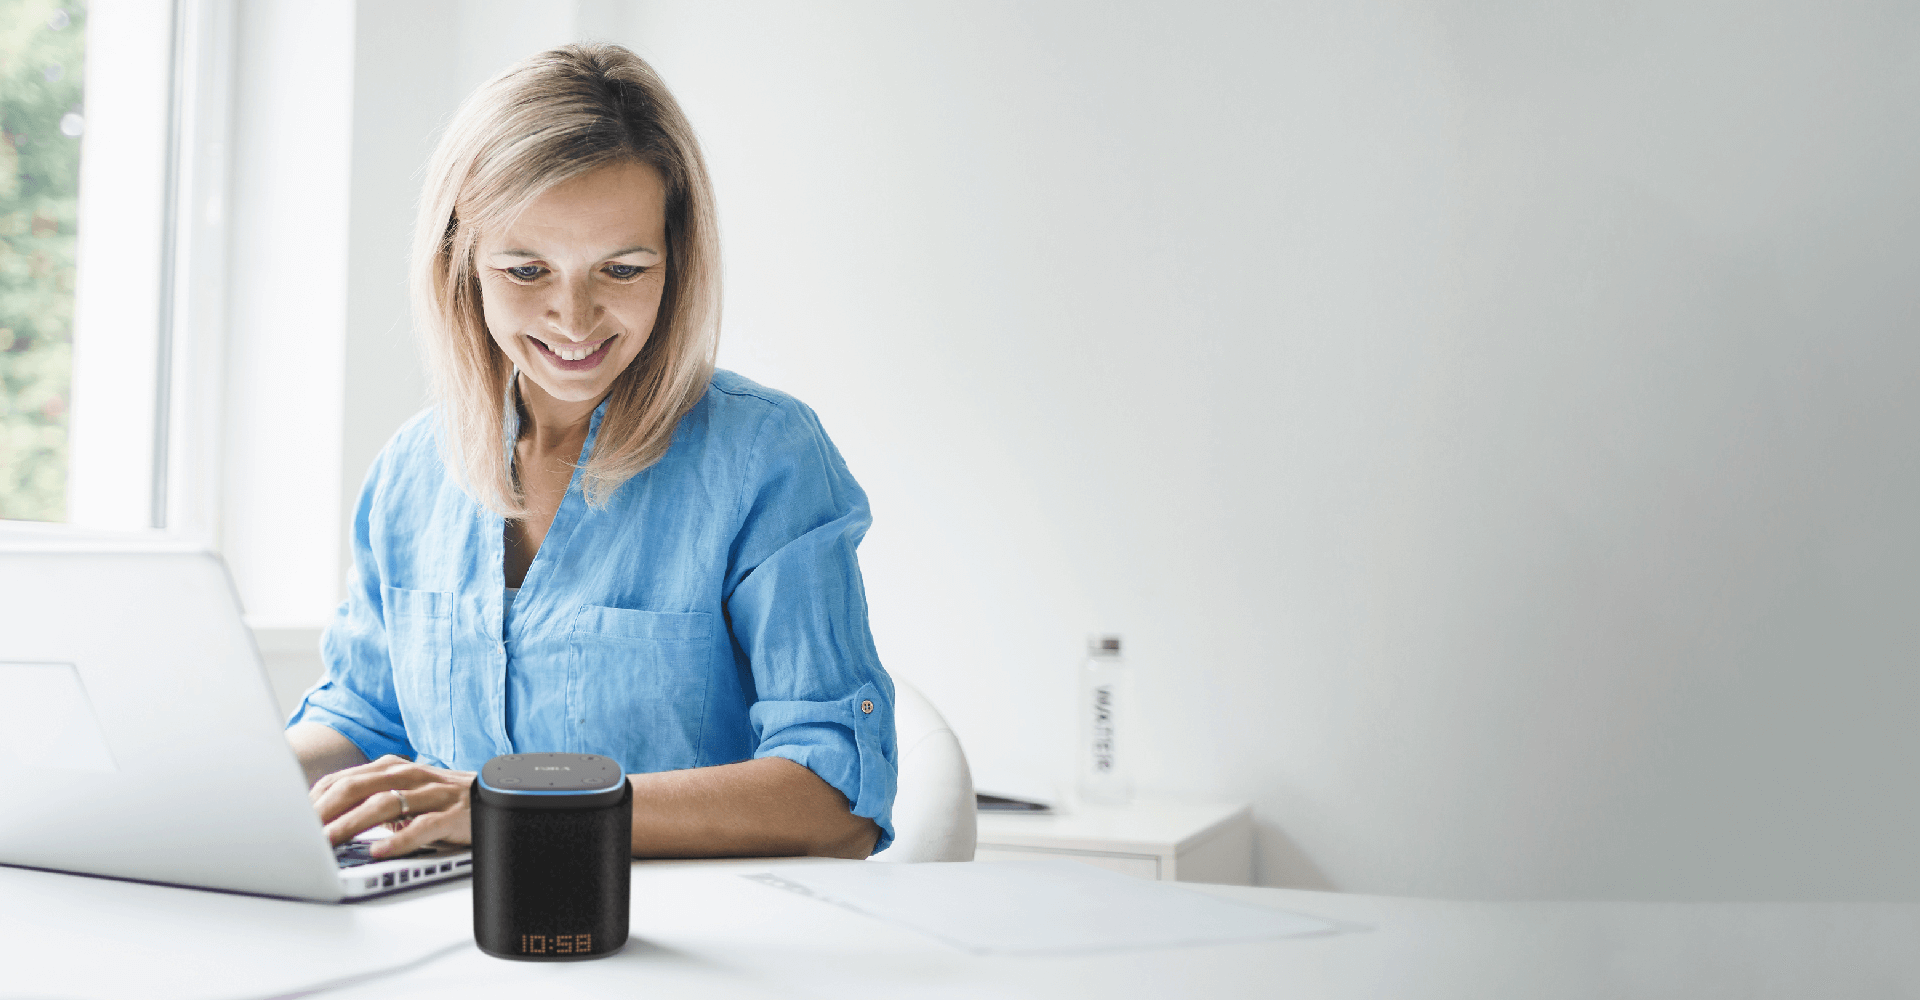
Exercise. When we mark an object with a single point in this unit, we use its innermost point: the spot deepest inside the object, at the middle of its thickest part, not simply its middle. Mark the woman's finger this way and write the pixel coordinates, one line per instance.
(364, 816)
(447, 825)
(328, 781)
(356, 799)
(351, 790)
(350, 794)
(320, 787)
(384, 806)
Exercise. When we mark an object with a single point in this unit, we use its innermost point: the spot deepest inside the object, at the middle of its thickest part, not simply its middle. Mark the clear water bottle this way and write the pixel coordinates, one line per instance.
(1106, 690)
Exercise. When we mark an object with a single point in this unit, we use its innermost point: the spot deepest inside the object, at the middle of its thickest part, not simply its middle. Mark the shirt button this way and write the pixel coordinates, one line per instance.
(866, 707)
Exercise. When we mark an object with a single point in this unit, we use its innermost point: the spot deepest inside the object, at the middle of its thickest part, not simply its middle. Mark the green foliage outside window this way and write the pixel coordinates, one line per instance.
(42, 43)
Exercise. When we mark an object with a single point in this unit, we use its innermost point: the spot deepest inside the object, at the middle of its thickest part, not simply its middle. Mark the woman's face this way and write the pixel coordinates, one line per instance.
(570, 291)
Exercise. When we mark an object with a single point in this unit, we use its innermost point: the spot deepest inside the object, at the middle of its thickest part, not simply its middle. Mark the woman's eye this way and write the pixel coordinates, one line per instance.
(525, 272)
(625, 272)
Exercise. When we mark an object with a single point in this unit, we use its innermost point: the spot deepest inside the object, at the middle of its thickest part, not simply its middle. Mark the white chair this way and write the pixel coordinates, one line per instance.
(933, 807)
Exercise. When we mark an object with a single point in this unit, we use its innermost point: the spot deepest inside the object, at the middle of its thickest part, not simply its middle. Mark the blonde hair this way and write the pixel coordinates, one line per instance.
(553, 117)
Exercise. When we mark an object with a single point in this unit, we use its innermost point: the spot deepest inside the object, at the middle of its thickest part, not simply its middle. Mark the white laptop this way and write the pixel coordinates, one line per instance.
(139, 737)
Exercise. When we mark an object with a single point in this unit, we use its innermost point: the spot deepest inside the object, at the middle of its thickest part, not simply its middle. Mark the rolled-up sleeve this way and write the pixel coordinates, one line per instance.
(798, 610)
(356, 696)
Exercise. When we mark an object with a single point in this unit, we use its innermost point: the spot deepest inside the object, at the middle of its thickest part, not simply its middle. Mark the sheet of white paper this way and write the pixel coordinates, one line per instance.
(1038, 907)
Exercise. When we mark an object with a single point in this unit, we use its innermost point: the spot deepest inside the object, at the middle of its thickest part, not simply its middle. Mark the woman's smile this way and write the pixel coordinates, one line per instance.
(570, 357)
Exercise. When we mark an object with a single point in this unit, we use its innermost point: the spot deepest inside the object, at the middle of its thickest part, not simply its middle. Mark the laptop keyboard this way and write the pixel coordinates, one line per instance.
(355, 853)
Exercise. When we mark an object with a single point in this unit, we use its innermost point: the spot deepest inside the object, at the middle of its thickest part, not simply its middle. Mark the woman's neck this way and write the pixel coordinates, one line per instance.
(553, 426)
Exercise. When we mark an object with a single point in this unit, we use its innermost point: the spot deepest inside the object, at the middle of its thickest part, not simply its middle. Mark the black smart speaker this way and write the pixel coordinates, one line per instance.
(552, 853)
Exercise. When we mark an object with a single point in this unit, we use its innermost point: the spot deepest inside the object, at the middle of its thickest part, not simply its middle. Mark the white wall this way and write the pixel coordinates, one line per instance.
(286, 257)
(1490, 426)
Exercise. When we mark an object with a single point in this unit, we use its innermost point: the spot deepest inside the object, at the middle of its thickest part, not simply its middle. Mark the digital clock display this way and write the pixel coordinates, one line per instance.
(556, 944)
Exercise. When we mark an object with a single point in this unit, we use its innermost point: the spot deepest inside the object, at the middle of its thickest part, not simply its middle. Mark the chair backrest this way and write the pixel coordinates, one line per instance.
(933, 807)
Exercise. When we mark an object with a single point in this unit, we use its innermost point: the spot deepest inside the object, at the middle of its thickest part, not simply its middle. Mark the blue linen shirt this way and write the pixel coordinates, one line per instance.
(712, 612)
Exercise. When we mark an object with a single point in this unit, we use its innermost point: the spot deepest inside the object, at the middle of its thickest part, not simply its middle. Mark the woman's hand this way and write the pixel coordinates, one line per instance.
(420, 804)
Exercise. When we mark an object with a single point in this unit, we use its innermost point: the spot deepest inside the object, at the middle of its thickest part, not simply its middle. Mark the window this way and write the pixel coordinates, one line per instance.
(42, 120)
(102, 141)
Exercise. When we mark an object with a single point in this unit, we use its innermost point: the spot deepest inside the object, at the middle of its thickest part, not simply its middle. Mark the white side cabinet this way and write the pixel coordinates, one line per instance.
(1153, 840)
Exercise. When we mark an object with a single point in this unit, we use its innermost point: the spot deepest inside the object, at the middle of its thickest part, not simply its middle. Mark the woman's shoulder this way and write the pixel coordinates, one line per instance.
(417, 437)
(416, 431)
(411, 457)
(741, 409)
(769, 439)
(758, 430)
(746, 398)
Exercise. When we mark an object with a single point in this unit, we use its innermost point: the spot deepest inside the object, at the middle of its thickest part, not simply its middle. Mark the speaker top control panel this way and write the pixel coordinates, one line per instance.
(544, 777)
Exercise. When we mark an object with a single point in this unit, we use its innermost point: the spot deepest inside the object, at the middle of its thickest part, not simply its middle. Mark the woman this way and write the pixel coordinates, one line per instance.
(595, 542)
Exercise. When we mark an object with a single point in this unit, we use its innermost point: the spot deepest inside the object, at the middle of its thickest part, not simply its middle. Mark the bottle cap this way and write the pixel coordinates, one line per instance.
(1103, 645)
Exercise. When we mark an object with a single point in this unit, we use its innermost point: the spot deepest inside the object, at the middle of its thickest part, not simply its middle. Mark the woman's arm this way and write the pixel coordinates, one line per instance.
(322, 750)
(796, 607)
(770, 807)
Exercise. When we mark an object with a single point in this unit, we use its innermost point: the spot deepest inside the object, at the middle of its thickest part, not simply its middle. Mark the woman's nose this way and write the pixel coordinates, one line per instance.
(573, 313)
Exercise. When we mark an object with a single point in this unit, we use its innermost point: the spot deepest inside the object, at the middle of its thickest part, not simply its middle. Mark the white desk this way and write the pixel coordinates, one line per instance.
(700, 930)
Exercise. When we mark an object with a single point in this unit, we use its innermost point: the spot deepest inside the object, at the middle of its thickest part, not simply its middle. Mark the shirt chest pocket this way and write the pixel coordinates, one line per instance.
(420, 647)
(641, 680)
